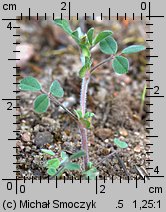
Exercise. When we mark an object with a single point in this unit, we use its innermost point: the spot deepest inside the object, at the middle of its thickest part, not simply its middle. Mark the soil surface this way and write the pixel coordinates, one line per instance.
(49, 54)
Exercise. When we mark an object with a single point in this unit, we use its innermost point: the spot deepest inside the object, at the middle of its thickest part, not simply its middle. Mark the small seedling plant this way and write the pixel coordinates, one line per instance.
(120, 64)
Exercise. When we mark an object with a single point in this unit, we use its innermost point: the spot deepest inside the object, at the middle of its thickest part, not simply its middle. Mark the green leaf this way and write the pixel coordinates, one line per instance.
(51, 171)
(49, 152)
(64, 156)
(56, 89)
(120, 64)
(85, 68)
(64, 24)
(80, 33)
(83, 71)
(90, 35)
(77, 155)
(88, 115)
(121, 144)
(85, 51)
(72, 166)
(59, 173)
(90, 165)
(101, 36)
(91, 173)
(29, 84)
(41, 103)
(133, 49)
(86, 123)
(78, 113)
(55, 163)
(83, 40)
(75, 36)
(108, 45)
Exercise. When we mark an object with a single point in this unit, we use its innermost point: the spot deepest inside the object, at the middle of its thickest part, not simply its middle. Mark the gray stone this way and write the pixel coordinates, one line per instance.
(43, 138)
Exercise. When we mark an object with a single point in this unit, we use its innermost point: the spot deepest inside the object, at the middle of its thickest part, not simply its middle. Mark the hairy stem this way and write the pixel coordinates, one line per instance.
(83, 98)
(83, 130)
(83, 94)
(84, 143)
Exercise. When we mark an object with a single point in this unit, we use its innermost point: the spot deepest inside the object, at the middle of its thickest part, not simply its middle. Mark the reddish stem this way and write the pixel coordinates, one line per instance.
(83, 130)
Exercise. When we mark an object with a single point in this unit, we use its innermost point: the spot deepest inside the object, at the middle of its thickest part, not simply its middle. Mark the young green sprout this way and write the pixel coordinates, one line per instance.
(120, 64)
(142, 100)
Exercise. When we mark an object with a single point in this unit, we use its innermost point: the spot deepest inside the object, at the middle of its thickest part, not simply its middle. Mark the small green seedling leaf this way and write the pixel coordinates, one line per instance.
(90, 165)
(64, 156)
(59, 173)
(77, 155)
(49, 152)
(41, 103)
(121, 144)
(101, 36)
(88, 115)
(85, 51)
(91, 173)
(64, 24)
(133, 49)
(90, 34)
(83, 40)
(85, 68)
(86, 123)
(56, 89)
(55, 163)
(80, 33)
(78, 113)
(75, 36)
(29, 84)
(83, 71)
(120, 65)
(108, 45)
(72, 166)
(51, 171)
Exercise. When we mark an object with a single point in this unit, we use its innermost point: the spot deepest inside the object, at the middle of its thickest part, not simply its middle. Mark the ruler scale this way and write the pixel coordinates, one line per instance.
(117, 195)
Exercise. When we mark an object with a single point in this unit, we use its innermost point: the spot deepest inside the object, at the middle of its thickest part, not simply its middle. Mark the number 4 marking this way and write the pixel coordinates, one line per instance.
(9, 26)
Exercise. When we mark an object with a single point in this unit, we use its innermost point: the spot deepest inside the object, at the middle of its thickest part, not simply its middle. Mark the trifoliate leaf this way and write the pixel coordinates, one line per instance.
(51, 171)
(41, 103)
(72, 166)
(64, 24)
(30, 84)
(108, 45)
(133, 49)
(120, 65)
(49, 152)
(101, 36)
(121, 144)
(90, 35)
(55, 163)
(77, 155)
(56, 89)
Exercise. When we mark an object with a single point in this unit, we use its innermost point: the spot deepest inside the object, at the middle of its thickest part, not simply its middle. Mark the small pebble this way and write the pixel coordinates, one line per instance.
(43, 138)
